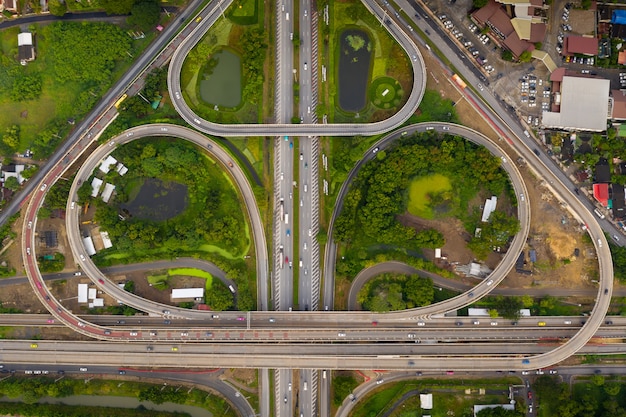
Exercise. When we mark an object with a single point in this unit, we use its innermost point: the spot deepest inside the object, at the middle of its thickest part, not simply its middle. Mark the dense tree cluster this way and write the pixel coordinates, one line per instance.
(378, 194)
(27, 87)
(618, 254)
(499, 412)
(63, 410)
(85, 52)
(253, 48)
(392, 292)
(213, 214)
(52, 263)
(219, 298)
(144, 14)
(600, 399)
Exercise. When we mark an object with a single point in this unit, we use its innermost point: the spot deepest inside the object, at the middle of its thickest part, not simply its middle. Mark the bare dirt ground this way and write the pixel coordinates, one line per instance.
(554, 233)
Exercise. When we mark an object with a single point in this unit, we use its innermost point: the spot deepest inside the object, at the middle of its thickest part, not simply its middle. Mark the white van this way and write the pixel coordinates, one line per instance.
(599, 213)
(231, 288)
(306, 386)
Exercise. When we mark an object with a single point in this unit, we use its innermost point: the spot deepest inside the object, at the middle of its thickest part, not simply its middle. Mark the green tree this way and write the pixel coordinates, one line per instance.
(418, 291)
(27, 87)
(507, 55)
(12, 183)
(219, 297)
(479, 3)
(526, 56)
(57, 7)
(11, 137)
(44, 212)
(509, 307)
(84, 192)
(144, 14)
(117, 6)
(612, 388)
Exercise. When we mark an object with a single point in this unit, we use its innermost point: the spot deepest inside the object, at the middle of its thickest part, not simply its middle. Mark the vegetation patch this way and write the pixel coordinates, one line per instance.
(158, 281)
(425, 191)
(387, 59)
(212, 215)
(388, 292)
(385, 92)
(30, 390)
(245, 36)
(220, 84)
(378, 194)
(75, 65)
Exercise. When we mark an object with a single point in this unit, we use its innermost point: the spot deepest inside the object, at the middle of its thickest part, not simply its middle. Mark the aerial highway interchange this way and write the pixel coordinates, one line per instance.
(301, 339)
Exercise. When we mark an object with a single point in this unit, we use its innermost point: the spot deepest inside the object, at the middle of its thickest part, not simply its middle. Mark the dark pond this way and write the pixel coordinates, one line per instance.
(354, 67)
(157, 200)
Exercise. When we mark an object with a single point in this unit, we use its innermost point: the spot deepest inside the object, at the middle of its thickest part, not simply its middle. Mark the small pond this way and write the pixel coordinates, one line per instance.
(157, 200)
(221, 79)
(355, 54)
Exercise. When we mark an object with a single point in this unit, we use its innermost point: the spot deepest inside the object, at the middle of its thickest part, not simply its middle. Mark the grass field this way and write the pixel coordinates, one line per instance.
(450, 397)
(420, 192)
(193, 272)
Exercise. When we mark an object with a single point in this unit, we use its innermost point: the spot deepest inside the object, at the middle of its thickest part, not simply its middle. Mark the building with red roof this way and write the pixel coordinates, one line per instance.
(580, 45)
(601, 193)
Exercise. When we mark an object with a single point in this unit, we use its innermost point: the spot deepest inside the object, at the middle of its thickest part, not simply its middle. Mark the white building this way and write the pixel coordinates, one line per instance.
(106, 240)
(89, 247)
(83, 290)
(107, 192)
(584, 105)
(490, 207)
(96, 183)
(187, 293)
(107, 163)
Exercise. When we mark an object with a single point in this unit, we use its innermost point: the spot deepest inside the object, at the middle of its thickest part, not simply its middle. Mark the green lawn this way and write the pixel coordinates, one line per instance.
(449, 397)
(421, 190)
(193, 272)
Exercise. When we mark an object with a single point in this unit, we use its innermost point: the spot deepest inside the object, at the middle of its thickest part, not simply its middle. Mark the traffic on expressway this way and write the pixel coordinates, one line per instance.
(301, 332)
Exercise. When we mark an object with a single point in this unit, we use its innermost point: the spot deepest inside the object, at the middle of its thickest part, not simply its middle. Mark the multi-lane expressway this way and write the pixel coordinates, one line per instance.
(313, 361)
(341, 321)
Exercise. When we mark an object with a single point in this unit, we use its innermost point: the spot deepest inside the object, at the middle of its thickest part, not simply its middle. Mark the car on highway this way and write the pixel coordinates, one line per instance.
(305, 66)
(489, 282)
(77, 274)
(121, 372)
(241, 318)
(289, 386)
(541, 324)
(50, 321)
(341, 334)
(27, 251)
(567, 322)
(272, 320)
(476, 322)
(375, 150)
(301, 156)
(184, 334)
(379, 381)
(553, 371)
(174, 349)
(43, 187)
(30, 224)
(34, 345)
(100, 280)
(494, 323)
(449, 372)
(411, 335)
(421, 323)
(83, 369)
(134, 333)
